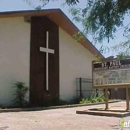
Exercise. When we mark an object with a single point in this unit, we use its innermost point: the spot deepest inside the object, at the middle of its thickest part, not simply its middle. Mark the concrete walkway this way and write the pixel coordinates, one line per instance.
(59, 119)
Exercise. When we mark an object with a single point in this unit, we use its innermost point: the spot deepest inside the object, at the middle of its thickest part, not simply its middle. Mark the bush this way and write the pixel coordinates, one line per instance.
(21, 91)
(84, 101)
(93, 99)
(101, 97)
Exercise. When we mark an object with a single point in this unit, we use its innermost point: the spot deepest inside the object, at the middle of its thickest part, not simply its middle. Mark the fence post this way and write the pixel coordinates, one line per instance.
(96, 92)
(80, 87)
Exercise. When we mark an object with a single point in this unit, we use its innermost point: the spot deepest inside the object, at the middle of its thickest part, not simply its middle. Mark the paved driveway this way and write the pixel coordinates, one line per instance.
(58, 119)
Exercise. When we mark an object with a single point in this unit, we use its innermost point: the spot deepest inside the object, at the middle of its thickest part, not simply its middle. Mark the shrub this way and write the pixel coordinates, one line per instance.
(84, 101)
(93, 99)
(21, 91)
(101, 98)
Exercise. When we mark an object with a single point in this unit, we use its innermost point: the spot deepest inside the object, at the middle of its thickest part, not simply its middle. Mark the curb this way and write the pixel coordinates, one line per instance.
(100, 113)
(52, 107)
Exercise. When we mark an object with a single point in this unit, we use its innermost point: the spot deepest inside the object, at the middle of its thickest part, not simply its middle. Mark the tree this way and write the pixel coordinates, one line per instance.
(122, 55)
(101, 18)
(44, 2)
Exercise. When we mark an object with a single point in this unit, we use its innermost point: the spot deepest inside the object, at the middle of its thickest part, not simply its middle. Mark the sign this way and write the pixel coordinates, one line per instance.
(115, 73)
(123, 124)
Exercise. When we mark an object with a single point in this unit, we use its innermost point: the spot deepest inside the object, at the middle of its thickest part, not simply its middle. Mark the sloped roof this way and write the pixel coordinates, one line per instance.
(60, 19)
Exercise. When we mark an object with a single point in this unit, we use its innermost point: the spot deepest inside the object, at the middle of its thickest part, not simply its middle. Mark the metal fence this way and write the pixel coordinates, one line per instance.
(84, 88)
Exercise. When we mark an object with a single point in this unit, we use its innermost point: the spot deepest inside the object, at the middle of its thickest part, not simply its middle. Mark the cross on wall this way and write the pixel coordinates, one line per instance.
(47, 51)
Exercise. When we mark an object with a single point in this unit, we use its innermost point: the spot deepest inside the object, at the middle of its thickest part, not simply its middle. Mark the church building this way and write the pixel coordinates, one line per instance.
(39, 49)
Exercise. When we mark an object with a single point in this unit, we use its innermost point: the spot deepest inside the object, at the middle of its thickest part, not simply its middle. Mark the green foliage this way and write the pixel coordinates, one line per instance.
(123, 55)
(93, 99)
(102, 18)
(79, 37)
(72, 2)
(84, 101)
(21, 91)
(123, 49)
(101, 98)
(45, 2)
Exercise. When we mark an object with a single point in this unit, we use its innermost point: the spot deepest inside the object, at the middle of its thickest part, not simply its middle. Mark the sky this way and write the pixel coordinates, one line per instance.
(14, 5)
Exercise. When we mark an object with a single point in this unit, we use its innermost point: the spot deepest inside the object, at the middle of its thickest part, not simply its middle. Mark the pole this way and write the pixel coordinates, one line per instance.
(96, 92)
(106, 96)
(80, 87)
(127, 98)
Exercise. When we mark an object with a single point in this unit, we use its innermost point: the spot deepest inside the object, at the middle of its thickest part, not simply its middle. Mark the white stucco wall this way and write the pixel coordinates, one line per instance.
(75, 62)
(14, 56)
